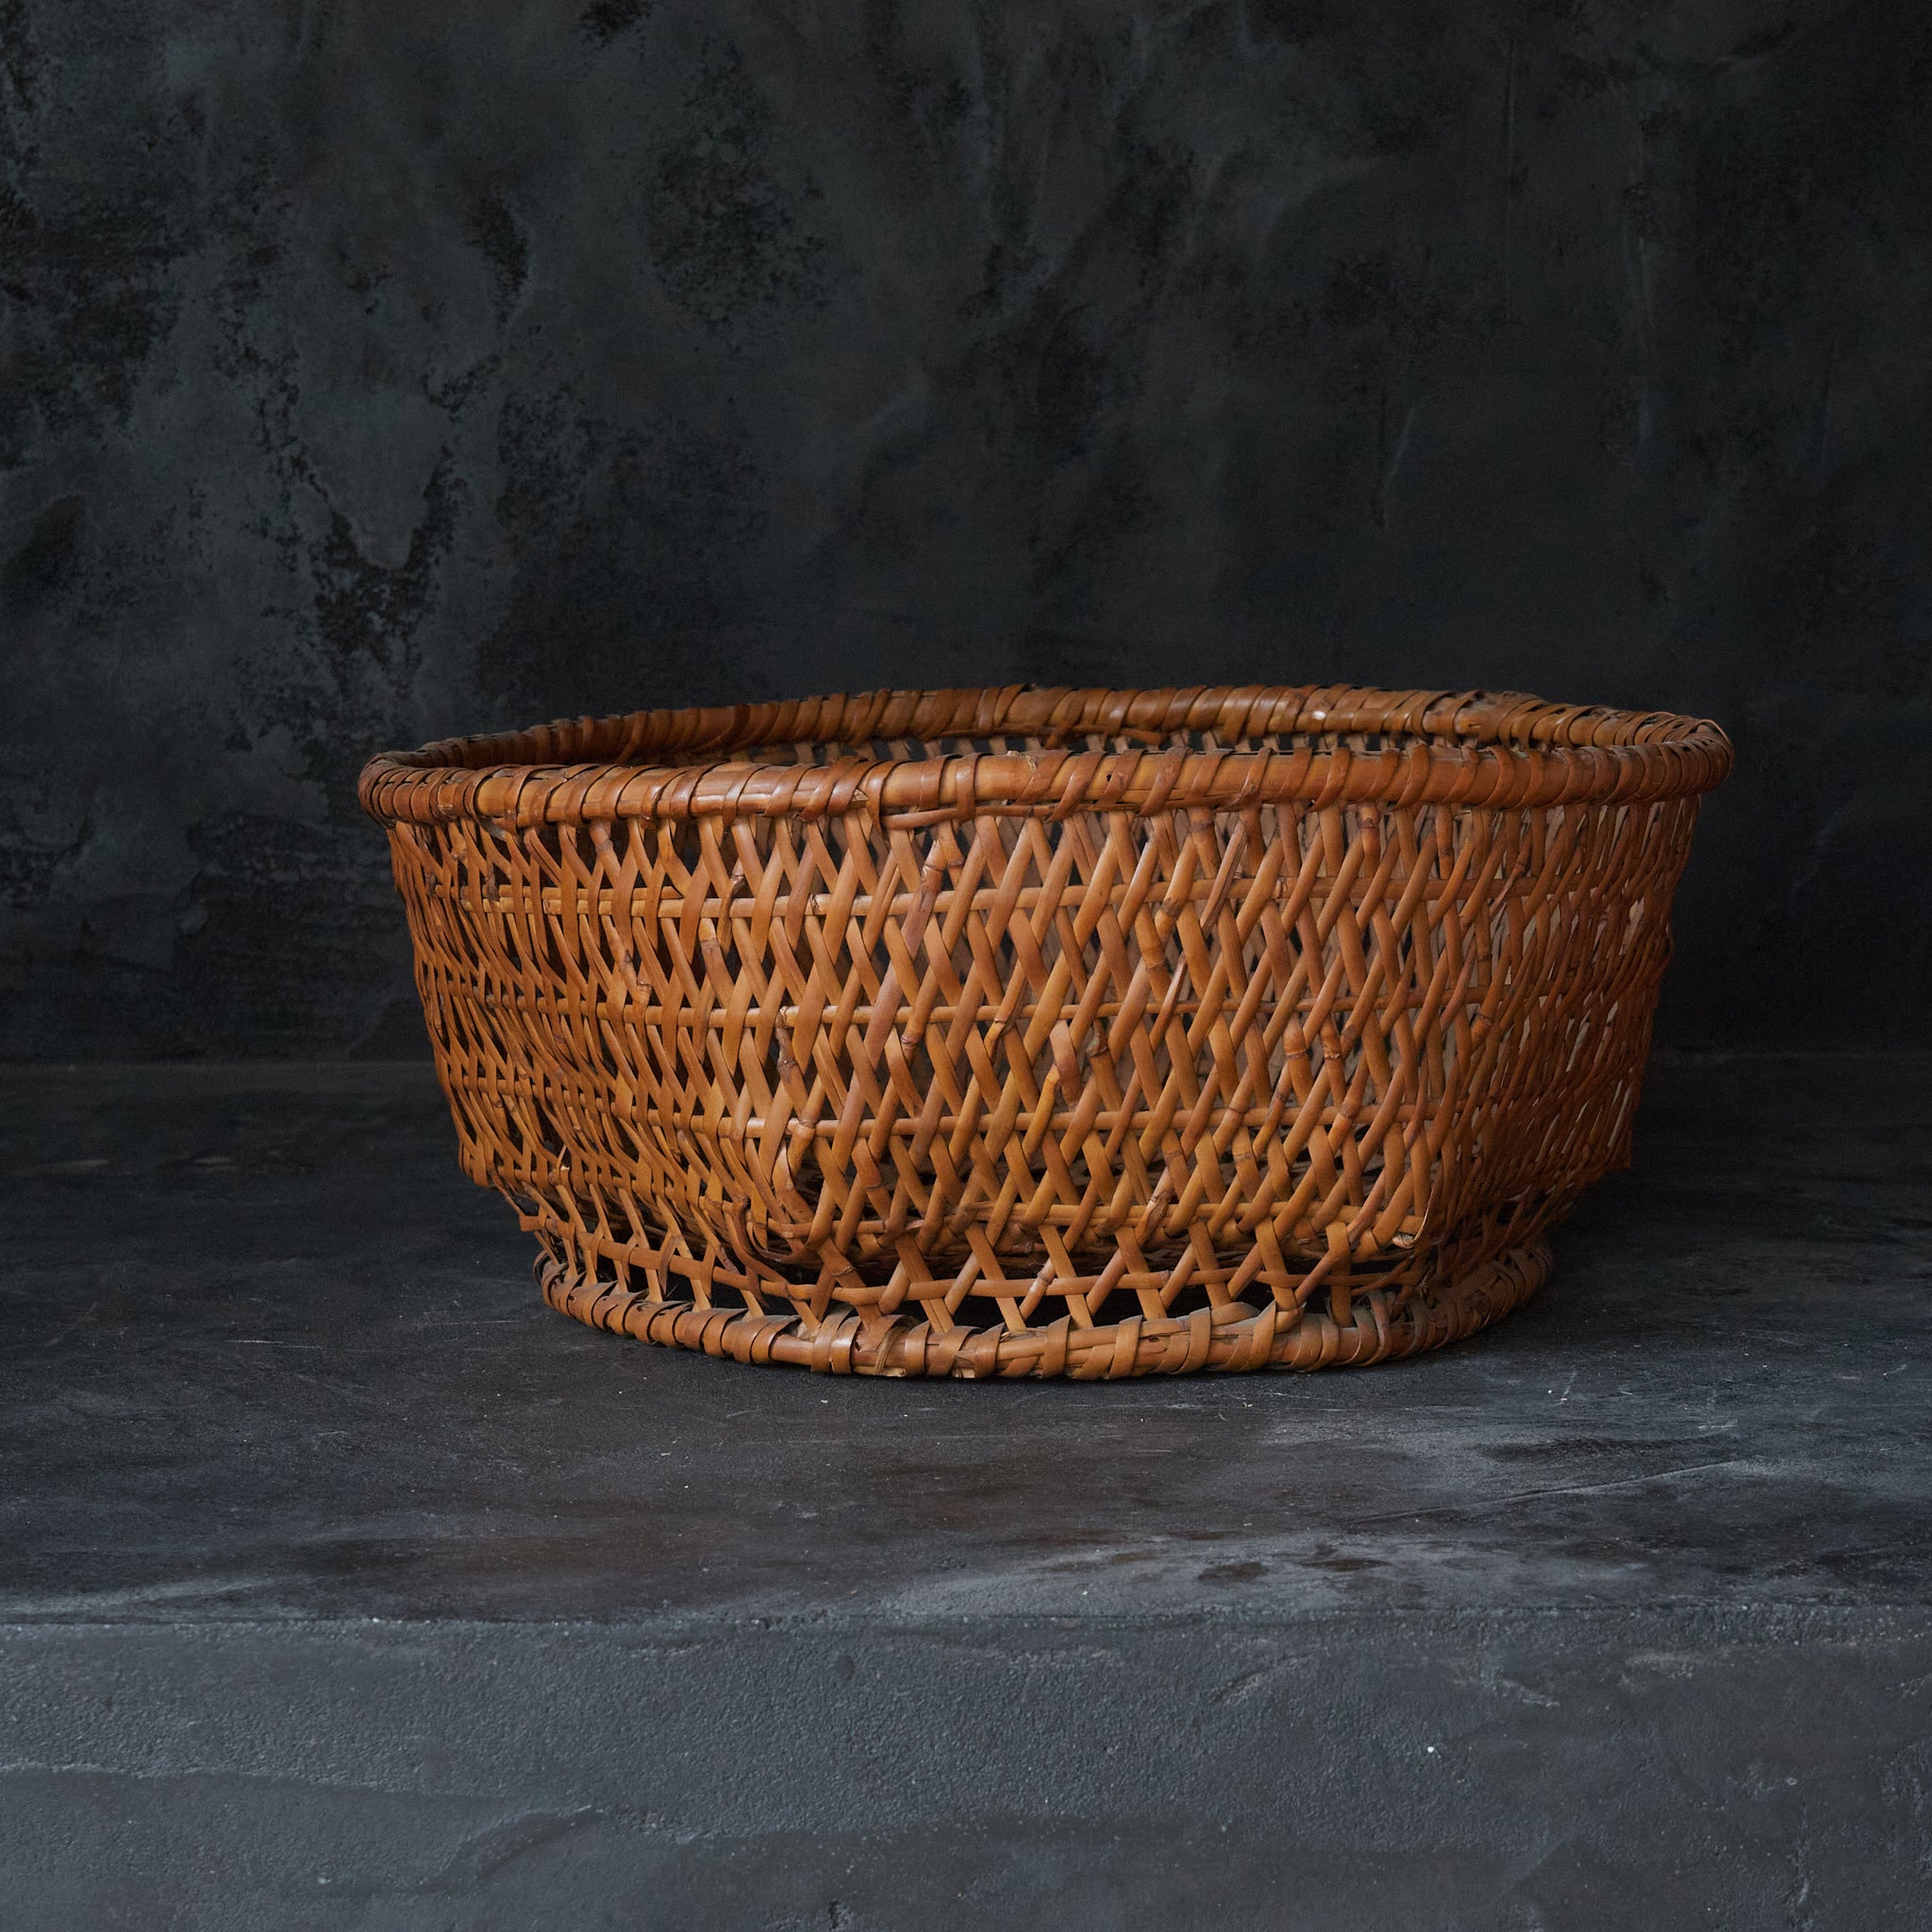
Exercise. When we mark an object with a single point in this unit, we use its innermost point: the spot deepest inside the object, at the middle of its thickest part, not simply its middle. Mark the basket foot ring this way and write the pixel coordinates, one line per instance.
(1238, 1337)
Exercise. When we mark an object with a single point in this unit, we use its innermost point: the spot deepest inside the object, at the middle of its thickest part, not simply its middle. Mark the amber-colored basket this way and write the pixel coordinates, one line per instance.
(1026, 1032)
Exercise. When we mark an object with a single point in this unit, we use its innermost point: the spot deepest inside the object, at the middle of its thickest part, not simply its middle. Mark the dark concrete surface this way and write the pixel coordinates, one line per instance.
(344, 1585)
(369, 370)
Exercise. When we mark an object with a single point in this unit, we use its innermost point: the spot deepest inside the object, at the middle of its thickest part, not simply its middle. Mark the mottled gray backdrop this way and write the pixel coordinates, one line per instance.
(373, 369)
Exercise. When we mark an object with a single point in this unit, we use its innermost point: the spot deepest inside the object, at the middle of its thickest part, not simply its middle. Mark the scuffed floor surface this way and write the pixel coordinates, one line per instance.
(345, 1585)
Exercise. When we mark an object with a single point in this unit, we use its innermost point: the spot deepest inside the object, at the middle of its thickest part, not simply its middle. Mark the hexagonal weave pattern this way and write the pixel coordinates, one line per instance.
(1042, 1032)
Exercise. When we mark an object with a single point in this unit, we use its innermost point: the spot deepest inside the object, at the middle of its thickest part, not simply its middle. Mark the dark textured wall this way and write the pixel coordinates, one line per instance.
(371, 371)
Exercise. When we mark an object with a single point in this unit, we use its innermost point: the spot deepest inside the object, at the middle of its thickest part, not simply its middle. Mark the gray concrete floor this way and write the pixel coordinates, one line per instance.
(343, 1585)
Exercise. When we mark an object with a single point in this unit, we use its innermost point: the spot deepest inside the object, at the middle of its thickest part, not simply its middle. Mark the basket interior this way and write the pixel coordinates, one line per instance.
(1026, 722)
(917, 750)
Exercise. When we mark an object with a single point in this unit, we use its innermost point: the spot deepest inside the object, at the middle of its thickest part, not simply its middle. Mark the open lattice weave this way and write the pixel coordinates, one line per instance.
(1031, 1032)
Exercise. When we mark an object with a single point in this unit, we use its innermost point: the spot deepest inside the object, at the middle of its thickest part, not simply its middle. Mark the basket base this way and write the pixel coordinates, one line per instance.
(1235, 1336)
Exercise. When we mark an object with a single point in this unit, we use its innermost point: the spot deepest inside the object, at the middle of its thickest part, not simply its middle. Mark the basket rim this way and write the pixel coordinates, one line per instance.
(1475, 748)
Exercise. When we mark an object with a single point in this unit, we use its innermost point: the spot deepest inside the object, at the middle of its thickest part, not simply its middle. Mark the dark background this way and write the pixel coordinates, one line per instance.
(375, 371)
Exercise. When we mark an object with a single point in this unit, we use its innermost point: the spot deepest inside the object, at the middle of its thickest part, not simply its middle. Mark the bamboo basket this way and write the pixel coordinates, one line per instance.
(1042, 1032)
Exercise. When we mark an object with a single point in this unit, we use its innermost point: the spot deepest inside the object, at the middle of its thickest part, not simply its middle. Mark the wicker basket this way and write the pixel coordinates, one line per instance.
(1027, 1032)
